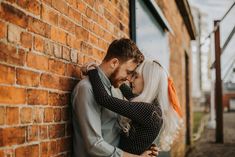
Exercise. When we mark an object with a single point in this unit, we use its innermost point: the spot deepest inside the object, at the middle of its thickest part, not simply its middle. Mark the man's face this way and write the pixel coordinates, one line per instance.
(122, 73)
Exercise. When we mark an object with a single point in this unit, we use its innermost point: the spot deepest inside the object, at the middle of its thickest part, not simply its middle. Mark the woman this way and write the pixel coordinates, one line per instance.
(154, 114)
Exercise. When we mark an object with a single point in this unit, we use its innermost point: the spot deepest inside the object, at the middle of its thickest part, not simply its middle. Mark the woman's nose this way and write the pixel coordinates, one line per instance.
(129, 78)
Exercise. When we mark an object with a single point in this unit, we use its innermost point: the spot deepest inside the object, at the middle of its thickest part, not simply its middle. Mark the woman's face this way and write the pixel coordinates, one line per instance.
(137, 83)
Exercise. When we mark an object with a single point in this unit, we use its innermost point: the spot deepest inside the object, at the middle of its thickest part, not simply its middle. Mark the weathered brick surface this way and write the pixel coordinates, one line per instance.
(43, 43)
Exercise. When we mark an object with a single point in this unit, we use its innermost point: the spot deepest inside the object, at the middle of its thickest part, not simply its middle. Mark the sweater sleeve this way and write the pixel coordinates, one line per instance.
(140, 112)
(126, 91)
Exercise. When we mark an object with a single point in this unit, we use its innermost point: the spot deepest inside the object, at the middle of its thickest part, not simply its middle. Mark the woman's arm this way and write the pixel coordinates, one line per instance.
(141, 112)
(126, 91)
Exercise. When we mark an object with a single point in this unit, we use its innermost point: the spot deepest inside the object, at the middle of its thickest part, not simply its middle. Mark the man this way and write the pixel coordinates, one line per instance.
(96, 129)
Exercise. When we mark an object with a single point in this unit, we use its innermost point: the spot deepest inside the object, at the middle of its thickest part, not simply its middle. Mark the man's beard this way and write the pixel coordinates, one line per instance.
(114, 80)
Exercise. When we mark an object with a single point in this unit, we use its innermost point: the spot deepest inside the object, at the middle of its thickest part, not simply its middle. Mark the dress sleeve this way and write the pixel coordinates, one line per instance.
(126, 91)
(140, 112)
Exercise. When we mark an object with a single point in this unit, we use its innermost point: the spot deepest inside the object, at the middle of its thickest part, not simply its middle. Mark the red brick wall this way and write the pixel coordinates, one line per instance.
(42, 45)
(179, 44)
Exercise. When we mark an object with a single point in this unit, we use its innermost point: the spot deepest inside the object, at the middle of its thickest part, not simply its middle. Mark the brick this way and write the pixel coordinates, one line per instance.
(10, 136)
(37, 115)
(13, 15)
(81, 33)
(67, 84)
(88, 59)
(107, 37)
(50, 81)
(48, 115)
(66, 24)
(37, 61)
(66, 53)
(37, 26)
(56, 131)
(26, 115)
(27, 78)
(72, 2)
(37, 97)
(2, 115)
(12, 115)
(65, 114)
(86, 48)
(43, 134)
(26, 40)
(76, 16)
(91, 2)
(10, 55)
(73, 42)
(8, 74)
(91, 14)
(86, 23)
(93, 39)
(102, 44)
(98, 54)
(57, 67)
(3, 30)
(58, 35)
(60, 5)
(49, 15)
(53, 147)
(57, 114)
(29, 150)
(45, 149)
(81, 6)
(81, 59)
(57, 50)
(31, 5)
(32, 133)
(57, 99)
(12, 95)
(64, 144)
(69, 128)
(38, 44)
(48, 2)
(73, 71)
(48, 47)
(74, 56)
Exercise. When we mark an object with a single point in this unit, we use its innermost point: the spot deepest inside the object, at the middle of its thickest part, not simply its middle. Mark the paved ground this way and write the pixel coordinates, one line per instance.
(206, 146)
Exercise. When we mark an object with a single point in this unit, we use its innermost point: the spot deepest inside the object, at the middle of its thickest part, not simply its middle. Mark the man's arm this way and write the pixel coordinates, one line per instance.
(88, 117)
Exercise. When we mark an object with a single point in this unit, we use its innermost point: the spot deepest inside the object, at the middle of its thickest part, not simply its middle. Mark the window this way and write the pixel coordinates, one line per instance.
(150, 31)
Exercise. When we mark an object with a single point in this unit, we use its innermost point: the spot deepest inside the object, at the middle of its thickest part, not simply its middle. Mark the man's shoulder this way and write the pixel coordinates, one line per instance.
(84, 84)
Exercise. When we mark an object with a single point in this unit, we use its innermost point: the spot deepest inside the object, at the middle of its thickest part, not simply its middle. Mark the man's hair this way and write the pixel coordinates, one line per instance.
(124, 49)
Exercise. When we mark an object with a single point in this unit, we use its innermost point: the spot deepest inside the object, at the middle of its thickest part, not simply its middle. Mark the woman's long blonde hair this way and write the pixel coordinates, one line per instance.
(156, 89)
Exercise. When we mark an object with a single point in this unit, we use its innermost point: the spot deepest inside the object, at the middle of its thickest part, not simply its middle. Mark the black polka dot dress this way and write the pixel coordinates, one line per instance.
(146, 118)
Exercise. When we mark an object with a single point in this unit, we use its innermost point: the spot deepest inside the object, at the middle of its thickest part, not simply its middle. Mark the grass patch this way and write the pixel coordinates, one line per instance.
(197, 117)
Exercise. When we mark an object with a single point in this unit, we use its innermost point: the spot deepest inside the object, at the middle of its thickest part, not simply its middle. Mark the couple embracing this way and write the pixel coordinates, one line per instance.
(125, 107)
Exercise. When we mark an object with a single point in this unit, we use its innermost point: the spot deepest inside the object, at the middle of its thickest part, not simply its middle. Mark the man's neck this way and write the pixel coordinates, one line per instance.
(104, 67)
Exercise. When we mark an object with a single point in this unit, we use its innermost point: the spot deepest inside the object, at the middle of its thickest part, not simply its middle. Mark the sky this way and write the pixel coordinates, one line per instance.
(215, 10)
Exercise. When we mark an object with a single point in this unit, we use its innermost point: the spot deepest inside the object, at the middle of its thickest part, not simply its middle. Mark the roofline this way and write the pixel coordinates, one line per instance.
(185, 11)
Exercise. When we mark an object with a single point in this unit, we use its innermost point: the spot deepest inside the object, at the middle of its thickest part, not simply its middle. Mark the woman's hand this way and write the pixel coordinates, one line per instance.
(147, 153)
(86, 67)
(153, 151)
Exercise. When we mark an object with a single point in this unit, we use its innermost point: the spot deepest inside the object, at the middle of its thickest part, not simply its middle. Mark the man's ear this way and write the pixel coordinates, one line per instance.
(114, 63)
